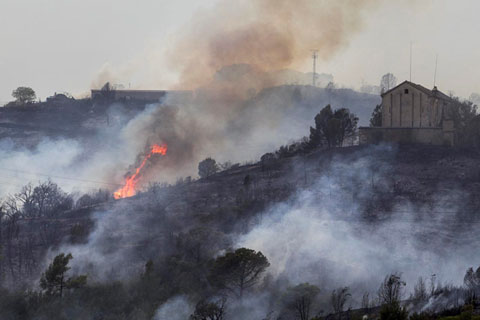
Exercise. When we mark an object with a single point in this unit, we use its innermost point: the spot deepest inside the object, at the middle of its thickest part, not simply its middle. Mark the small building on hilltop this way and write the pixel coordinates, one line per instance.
(412, 113)
(110, 94)
(60, 98)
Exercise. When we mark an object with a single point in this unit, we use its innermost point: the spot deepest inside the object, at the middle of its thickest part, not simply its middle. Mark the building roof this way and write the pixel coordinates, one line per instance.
(435, 92)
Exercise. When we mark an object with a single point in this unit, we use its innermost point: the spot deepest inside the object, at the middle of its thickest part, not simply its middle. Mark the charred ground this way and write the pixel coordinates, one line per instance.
(141, 252)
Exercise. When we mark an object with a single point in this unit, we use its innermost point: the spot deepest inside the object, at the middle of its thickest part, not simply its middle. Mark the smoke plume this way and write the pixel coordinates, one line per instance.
(269, 35)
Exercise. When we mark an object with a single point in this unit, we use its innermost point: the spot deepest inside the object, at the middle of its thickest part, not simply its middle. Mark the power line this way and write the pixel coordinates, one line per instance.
(61, 177)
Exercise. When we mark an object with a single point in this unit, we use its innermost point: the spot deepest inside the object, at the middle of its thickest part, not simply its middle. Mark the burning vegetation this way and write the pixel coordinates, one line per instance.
(130, 187)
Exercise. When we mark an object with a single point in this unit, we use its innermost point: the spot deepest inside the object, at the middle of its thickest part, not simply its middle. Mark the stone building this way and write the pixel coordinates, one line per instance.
(412, 113)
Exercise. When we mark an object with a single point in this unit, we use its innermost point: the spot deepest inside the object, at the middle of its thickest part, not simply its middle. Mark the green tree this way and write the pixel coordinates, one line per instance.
(472, 133)
(207, 167)
(54, 279)
(24, 95)
(376, 119)
(466, 122)
(239, 270)
(332, 127)
(299, 299)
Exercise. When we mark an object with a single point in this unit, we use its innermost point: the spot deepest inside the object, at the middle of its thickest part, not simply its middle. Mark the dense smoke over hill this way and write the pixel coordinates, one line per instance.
(98, 153)
(321, 234)
(228, 56)
(329, 217)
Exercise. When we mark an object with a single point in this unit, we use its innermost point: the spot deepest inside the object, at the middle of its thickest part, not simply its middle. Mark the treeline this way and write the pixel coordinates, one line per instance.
(31, 222)
(221, 287)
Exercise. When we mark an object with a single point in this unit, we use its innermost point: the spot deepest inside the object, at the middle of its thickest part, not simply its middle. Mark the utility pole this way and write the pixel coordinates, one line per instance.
(314, 77)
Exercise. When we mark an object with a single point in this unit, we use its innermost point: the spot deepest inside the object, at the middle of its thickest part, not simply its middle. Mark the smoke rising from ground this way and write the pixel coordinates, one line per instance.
(177, 308)
(320, 235)
(227, 55)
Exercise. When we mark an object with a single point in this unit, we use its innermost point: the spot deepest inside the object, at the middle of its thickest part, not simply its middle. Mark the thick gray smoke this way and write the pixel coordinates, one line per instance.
(77, 164)
(228, 55)
(227, 116)
(320, 235)
(177, 308)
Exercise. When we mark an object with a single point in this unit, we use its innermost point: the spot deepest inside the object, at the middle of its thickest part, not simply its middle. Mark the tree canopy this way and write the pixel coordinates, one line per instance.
(46, 199)
(239, 270)
(24, 95)
(332, 127)
(54, 280)
(207, 167)
(376, 119)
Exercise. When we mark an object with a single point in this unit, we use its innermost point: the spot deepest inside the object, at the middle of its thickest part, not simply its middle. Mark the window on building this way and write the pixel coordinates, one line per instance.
(406, 91)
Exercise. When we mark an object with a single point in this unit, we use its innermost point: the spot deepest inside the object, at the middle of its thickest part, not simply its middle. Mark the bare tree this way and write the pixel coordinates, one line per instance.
(44, 200)
(338, 300)
(299, 299)
(420, 291)
(366, 303)
(391, 290)
(388, 82)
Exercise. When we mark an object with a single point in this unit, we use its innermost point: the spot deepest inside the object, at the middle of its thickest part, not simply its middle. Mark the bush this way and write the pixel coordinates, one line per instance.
(332, 127)
(393, 311)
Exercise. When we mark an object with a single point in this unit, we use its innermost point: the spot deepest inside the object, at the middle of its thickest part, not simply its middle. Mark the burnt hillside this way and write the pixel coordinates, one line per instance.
(367, 183)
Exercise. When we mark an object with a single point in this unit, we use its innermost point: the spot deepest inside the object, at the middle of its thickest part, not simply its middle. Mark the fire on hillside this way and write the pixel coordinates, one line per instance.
(131, 181)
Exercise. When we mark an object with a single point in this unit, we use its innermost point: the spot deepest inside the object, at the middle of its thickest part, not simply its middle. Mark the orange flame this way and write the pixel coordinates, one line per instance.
(128, 189)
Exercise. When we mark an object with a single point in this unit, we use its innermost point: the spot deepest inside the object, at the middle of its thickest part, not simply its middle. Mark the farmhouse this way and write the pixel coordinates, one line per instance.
(412, 113)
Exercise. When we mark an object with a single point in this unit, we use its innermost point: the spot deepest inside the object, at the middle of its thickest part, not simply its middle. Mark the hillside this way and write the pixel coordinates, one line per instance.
(426, 196)
(292, 107)
(409, 209)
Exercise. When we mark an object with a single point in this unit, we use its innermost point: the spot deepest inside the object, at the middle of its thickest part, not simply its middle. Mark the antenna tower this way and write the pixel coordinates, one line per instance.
(410, 61)
(314, 77)
(435, 74)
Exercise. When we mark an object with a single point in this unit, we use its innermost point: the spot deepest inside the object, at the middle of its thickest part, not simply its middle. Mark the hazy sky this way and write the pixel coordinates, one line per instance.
(61, 45)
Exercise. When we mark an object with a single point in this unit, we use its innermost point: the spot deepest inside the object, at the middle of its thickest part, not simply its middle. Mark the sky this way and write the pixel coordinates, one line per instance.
(65, 45)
